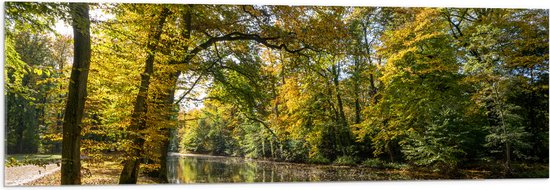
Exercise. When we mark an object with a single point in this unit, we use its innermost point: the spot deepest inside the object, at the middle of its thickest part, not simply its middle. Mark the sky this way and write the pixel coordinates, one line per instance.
(65, 29)
(95, 14)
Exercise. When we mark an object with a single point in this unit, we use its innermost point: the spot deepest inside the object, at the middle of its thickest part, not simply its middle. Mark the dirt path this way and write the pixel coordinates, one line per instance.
(19, 175)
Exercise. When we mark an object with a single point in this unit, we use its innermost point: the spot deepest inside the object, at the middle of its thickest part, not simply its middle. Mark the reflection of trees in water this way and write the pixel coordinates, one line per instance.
(219, 170)
(207, 169)
(172, 169)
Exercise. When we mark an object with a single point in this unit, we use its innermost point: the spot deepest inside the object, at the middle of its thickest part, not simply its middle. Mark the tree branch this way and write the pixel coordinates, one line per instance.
(236, 36)
(190, 89)
(263, 124)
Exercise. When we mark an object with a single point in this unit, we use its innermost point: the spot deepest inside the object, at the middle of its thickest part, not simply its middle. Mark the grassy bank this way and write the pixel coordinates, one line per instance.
(34, 159)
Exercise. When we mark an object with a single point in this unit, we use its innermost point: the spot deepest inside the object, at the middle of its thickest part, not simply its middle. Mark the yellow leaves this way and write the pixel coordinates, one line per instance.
(52, 137)
(417, 48)
(425, 18)
(420, 37)
(401, 54)
(361, 131)
(291, 90)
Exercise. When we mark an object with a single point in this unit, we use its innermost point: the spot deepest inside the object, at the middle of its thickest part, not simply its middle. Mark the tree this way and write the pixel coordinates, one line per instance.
(28, 68)
(498, 66)
(421, 99)
(56, 93)
(138, 123)
(436, 88)
(26, 103)
(74, 109)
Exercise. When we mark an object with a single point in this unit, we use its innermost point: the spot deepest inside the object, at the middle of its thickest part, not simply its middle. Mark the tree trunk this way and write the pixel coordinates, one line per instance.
(74, 109)
(373, 89)
(357, 108)
(168, 102)
(169, 99)
(335, 136)
(130, 170)
(164, 157)
(356, 76)
(344, 131)
(20, 141)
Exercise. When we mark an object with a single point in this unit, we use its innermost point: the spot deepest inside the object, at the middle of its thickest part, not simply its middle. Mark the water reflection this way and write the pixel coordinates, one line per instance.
(213, 169)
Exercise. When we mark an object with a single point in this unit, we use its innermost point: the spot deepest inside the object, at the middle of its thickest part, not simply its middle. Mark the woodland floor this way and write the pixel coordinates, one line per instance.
(105, 173)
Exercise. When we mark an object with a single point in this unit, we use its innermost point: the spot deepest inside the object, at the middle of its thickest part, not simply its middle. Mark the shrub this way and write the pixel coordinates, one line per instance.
(377, 163)
(373, 163)
(345, 160)
(12, 162)
(318, 159)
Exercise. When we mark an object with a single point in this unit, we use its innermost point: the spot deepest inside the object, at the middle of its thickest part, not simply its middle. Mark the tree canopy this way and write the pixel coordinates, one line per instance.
(431, 87)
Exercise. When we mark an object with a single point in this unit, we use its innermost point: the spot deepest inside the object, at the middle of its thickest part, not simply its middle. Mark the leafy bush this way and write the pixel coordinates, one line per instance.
(345, 160)
(394, 165)
(318, 159)
(439, 144)
(431, 151)
(295, 151)
(374, 163)
(377, 163)
(11, 162)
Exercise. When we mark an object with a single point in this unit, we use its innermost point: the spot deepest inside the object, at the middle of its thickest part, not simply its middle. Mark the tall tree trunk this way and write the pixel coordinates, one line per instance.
(20, 141)
(74, 109)
(356, 77)
(373, 89)
(130, 170)
(334, 138)
(168, 101)
(357, 105)
(170, 97)
(344, 132)
(503, 125)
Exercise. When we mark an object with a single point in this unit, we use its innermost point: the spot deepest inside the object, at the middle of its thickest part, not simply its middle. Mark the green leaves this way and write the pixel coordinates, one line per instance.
(427, 86)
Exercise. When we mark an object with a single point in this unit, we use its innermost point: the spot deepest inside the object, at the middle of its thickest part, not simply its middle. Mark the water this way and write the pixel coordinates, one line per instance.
(217, 169)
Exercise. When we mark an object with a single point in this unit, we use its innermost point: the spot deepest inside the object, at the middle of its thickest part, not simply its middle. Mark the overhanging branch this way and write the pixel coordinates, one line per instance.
(236, 36)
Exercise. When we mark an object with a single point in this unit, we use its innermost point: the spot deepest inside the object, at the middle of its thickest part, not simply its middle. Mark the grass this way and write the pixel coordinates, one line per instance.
(34, 156)
(34, 159)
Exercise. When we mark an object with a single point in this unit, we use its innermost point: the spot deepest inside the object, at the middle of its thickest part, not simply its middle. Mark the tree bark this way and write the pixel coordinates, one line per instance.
(168, 102)
(20, 141)
(344, 131)
(130, 170)
(373, 89)
(170, 96)
(74, 109)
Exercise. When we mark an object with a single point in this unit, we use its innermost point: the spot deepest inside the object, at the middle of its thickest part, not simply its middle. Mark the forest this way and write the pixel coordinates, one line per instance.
(442, 90)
